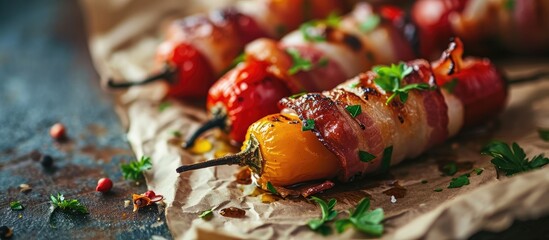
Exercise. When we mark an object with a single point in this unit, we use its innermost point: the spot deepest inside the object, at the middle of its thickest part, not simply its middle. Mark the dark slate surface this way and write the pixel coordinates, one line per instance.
(46, 77)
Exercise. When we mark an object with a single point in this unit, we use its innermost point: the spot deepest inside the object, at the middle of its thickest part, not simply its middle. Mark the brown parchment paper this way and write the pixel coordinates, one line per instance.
(123, 36)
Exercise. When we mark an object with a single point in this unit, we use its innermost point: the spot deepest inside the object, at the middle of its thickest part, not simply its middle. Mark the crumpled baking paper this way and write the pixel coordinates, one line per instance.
(123, 36)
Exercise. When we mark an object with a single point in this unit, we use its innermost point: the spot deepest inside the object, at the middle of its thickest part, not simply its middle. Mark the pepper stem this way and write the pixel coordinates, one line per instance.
(529, 78)
(250, 157)
(217, 121)
(166, 75)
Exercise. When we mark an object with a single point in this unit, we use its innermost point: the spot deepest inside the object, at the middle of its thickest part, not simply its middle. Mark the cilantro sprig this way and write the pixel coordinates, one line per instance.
(389, 78)
(328, 214)
(300, 63)
(72, 206)
(16, 206)
(134, 169)
(363, 219)
(512, 160)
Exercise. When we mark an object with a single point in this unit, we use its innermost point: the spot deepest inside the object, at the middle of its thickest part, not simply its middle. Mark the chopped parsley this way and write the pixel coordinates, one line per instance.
(370, 23)
(323, 62)
(300, 64)
(328, 214)
(478, 171)
(363, 219)
(16, 206)
(313, 33)
(176, 134)
(308, 124)
(297, 95)
(72, 206)
(438, 190)
(450, 169)
(271, 188)
(163, 106)
(544, 134)
(459, 181)
(450, 85)
(364, 156)
(354, 110)
(134, 169)
(206, 215)
(389, 78)
(512, 160)
(386, 159)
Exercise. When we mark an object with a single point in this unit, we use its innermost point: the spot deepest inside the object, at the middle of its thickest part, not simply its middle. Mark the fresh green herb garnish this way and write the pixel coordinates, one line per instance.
(163, 106)
(328, 214)
(176, 134)
(363, 219)
(300, 64)
(311, 33)
(389, 78)
(450, 85)
(323, 62)
(309, 124)
(370, 23)
(512, 161)
(386, 159)
(354, 110)
(206, 215)
(72, 206)
(438, 190)
(364, 156)
(134, 169)
(271, 188)
(297, 95)
(459, 181)
(16, 205)
(544, 134)
(478, 171)
(450, 169)
(354, 85)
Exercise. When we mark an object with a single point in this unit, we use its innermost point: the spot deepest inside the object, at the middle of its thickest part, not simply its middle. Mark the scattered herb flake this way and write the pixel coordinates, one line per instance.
(163, 106)
(176, 134)
(450, 169)
(386, 159)
(311, 32)
(72, 206)
(134, 169)
(16, 206)
(328, 214)
(544, 134)
(438, 190)
(459, 181)
(354, 85)
(299, 63)
(450, 85)
(512, 161)
(389, 78)
(364, 156)
(370, 23)
(333, 19)
(323, 62)
(271, 188)
(297, 95)
(206, 215)
(354, 110)
(309, 124)
(363, 219)
(478, 171)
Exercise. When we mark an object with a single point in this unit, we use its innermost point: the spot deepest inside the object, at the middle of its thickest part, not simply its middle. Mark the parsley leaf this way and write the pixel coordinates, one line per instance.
(544, 134)
(389, 78)
(163, 106)
(309, 124)
(72, 206)
(16, 206)
(478, 171)
(206, 215)
(450, 169)
(364, 156)
(370, 23)
(459, 181)
(512, 161)
(328, 214)
(176, 134)
(313, 31)
(297, 95)
(271, 188)
(367, 221)
(300, 64)
(134, 169)
(354, 110)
